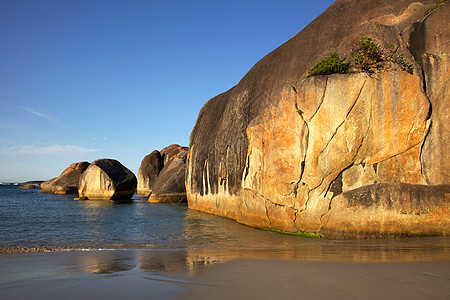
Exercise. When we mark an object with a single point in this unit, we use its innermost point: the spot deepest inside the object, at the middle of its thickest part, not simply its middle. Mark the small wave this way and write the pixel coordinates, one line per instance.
(41, 248)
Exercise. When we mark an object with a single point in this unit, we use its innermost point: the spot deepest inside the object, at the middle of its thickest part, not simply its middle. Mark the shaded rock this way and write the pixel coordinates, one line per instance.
(170, 183)
(67, 182)
(287, 152)
(394, 203)
(107, 179)
(150, 167)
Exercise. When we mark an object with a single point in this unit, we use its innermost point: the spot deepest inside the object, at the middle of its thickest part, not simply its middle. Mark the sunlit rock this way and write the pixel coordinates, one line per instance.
(107, 179)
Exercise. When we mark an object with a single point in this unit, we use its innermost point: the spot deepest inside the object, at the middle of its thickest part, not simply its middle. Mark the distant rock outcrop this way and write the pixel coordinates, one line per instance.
(107, 179)
(354, 155)
(67, 182)
(28, 186)
(162, 175)
(150, 167)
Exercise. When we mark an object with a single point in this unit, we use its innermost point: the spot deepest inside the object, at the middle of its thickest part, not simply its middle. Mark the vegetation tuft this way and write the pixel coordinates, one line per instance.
(331, 64)
(304, 234)
(368, 56)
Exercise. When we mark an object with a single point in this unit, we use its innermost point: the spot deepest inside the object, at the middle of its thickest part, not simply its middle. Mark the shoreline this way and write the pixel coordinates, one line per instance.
(370, 250)
(218, 274)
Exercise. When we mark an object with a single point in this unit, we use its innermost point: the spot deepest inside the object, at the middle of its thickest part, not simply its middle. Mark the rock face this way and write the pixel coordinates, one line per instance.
(170, 183)
(107, 179)
(150, 167)
(162, 175)
(350, 155)
(67, 182)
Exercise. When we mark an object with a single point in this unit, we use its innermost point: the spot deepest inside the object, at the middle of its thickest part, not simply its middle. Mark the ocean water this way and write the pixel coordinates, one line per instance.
(34, 222)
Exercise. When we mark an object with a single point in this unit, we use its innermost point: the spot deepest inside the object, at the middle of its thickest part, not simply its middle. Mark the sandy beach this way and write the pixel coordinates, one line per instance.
(287, 279)
(146, 274)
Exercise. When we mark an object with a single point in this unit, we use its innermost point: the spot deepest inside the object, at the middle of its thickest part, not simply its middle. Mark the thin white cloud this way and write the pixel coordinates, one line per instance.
(55, 149)
(39, 114)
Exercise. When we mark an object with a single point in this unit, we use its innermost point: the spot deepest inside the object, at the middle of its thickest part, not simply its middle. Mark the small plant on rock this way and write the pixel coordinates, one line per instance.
(370, 55)
(367, 53)
(399, 59)
(331, 64)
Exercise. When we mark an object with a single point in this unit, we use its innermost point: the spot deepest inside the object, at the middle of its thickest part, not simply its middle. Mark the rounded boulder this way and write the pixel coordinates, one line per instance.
(107, 179)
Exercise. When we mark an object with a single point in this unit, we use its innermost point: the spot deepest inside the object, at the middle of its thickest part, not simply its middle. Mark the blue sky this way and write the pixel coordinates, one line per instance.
(88, 79)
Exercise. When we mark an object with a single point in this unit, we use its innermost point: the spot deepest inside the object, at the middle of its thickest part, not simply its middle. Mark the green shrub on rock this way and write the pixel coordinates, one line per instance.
(370, 55)
(331, 64)
(367, 53)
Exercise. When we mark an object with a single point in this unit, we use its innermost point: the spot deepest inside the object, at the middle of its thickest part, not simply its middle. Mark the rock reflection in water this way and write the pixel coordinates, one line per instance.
(208, 240)
(195, 259)
(106, 262)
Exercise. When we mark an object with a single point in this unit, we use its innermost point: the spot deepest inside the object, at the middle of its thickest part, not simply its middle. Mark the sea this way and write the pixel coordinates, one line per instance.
(35, 222)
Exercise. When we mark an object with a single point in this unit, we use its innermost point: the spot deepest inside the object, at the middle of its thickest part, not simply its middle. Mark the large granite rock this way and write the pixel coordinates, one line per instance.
(107, 179)
(170, 183)
(153, 164)
(67, 182)
(150, 167)
(349, 155)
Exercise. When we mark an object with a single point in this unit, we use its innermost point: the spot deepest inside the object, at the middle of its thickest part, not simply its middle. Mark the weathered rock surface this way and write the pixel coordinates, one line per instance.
(150, 167)
(67, 182)
(171, 151)
(353, 155)
(170, 183)
(107, 179)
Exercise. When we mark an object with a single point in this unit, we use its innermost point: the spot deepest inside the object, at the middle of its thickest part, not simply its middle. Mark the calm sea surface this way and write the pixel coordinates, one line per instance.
(30, 222)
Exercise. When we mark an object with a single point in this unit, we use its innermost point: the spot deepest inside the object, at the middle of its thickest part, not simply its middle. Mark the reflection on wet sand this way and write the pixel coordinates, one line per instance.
(193, 260)
(105, 262)
(214, 240)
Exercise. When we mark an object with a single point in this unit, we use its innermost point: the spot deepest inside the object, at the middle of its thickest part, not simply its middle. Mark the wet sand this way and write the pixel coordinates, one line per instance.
(222, 274)
(286, 279)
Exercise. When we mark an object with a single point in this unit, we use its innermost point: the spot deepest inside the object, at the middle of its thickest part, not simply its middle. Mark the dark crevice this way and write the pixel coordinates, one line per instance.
(336, 185)
(422, 167)
(425, 90)
(295, 90)
(267, 213)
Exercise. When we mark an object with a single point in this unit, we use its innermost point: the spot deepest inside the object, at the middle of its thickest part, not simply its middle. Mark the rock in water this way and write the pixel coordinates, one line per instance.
(67, 182)
(28, 186)
(150, 167)
(170, 183)
(107, 179)
(353, 155)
